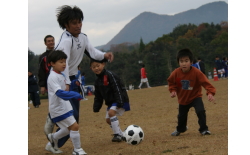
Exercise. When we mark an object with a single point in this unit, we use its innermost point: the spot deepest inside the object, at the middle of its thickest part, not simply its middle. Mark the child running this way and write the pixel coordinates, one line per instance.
(109, 87)
(185, 82)
(60, 109)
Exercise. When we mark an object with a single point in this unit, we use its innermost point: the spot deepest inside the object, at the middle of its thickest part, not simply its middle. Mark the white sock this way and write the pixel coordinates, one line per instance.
(115, 125)
(59, 134)
(75, 138)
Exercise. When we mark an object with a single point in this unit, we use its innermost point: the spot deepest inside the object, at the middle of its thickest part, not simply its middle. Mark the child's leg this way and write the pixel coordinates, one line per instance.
(140, 85)
(59, 134)
(200, 111)
(114, 122)
(75, 135)
(182, 117)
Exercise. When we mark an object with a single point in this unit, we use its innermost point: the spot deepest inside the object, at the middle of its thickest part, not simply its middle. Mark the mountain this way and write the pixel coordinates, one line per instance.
(149, 26)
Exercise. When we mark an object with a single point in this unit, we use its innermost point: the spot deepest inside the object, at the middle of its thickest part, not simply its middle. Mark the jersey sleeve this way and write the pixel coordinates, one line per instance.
(66, 95)
(172, 85)
(93, 52)
(53, 84)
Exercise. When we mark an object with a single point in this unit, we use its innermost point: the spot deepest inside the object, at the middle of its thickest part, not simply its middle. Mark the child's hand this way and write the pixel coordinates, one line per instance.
(173, 94)
(211, 98)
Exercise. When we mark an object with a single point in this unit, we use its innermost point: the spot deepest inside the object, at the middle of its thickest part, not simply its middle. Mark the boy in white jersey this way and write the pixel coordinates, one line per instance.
(74, 44)
(60, 109)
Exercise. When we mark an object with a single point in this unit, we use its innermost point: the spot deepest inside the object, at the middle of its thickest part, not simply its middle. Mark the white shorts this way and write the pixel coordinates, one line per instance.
(144, 80)
(66, 122)
(119, 111)
(221, 70)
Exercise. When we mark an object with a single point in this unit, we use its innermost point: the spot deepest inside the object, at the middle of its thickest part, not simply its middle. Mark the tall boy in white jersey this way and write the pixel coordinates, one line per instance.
(74, 44)
(60, 109)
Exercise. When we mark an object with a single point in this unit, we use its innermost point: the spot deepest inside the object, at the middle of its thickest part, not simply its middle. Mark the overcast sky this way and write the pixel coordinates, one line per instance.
(102, 19)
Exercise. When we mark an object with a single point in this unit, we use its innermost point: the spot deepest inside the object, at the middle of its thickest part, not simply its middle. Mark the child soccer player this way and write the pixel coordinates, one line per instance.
(60, 109)
(185, 82)
(109, 87)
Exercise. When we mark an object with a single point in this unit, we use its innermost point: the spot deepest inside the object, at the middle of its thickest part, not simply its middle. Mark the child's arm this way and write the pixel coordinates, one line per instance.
(115, 83)
(172, 87)
(66, 95)
(208, 86)
(98, 100)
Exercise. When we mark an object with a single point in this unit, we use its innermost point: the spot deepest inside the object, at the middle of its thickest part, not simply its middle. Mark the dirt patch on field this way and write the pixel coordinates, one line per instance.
(156, 113)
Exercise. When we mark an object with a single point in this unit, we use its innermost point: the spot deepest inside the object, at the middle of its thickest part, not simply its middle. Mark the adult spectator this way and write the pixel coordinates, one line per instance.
(44, 67)
(219, 67)
(33, 89)
(202, 65)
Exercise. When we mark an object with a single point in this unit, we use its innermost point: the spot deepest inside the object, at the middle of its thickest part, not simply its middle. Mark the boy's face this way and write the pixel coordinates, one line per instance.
(97, 67)
(185, 64)
(59, 65)
(74, 27)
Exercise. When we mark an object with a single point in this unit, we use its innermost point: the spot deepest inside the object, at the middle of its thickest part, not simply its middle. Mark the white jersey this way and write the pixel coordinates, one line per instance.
(57, 106)
(74, 48)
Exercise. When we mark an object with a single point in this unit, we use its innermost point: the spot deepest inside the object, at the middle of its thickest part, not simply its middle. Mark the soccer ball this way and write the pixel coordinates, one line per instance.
(133, 134)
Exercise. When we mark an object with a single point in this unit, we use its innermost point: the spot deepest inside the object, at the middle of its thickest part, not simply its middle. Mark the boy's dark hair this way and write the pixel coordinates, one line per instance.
(66, 13)
(199, 58)
(185, 53)
(83, 74)
(99, 61)
(143, 65)
(48, 36)
(56, 55)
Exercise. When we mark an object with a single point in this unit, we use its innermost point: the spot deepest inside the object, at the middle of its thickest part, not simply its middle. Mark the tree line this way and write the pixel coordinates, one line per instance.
(205, 41)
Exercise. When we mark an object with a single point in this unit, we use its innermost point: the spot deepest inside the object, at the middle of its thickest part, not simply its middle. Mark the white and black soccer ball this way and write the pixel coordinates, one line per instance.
(133, 134)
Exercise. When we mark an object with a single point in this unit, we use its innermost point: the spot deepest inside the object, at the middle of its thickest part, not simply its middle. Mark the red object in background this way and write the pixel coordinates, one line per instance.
(215, 75)
(143, 73)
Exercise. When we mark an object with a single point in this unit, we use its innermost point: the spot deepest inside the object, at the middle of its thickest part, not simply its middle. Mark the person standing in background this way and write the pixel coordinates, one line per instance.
(144, 78)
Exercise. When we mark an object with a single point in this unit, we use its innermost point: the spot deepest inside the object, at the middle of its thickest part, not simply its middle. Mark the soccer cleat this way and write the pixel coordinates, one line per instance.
(51, 149)
(206, 132)
(177, 133)
(53, 141)
(79, 152)
(49, 126)
(117, 138)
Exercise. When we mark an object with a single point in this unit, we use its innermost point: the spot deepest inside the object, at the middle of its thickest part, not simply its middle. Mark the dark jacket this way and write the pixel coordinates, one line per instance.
(44, 68)
(218, 64)
(202, 67)
(109, 87)
(32, 84)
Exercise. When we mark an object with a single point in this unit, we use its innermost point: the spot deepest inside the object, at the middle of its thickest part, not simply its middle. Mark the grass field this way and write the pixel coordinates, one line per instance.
(156, 113)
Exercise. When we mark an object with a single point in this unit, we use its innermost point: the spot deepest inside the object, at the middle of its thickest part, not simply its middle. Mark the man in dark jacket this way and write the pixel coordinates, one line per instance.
(33, 89)
(44, 66)
(202, 65)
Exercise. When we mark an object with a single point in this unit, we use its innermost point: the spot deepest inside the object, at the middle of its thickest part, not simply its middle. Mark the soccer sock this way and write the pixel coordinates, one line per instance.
(75, 138)
(115, 125)
(59, 134)
(148, 84)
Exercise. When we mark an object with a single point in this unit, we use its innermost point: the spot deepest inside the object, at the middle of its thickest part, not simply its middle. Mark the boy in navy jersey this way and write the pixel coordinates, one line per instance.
(110, 88)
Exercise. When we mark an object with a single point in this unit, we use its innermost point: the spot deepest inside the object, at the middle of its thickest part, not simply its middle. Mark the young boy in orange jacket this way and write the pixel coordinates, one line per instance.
(186, 82)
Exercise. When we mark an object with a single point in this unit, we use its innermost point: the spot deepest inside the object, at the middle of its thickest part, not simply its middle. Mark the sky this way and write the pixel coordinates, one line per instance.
(102, 19)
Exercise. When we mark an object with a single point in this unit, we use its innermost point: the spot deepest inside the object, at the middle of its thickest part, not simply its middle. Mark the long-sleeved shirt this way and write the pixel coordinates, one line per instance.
(75, 48)
(188, 86)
